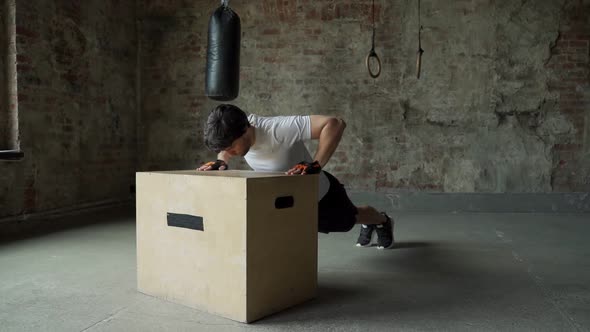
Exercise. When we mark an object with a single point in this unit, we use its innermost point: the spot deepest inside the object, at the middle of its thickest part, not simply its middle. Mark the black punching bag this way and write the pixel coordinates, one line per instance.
(222, 80)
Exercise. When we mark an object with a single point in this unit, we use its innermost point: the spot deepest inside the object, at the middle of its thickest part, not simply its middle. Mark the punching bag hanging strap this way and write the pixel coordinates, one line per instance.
(223, 54)
(372, 53)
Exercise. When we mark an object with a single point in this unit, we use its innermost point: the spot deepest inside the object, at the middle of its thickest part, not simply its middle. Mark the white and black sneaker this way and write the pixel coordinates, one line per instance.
(365, 236)
(385, 233)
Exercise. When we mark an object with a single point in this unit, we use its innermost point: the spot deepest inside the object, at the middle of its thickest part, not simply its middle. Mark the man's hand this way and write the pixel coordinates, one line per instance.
(305, 167)
(213, 166)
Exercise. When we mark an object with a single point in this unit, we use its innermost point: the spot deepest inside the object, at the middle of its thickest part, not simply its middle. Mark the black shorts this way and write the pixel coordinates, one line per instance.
(336, 213)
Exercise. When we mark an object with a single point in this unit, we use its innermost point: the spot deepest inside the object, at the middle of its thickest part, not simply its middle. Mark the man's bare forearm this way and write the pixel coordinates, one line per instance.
(329, 139)
(223, 156)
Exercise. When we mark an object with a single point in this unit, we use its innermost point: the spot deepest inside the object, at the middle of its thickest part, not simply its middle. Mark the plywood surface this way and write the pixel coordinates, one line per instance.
(228, 173)
(249, 259)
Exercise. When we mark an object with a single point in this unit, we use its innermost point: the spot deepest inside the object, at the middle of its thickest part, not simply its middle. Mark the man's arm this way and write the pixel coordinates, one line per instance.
(220, 156)
(328, 130)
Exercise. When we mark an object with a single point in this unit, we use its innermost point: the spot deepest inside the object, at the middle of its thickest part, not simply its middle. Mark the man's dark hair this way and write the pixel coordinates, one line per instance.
(225, 124)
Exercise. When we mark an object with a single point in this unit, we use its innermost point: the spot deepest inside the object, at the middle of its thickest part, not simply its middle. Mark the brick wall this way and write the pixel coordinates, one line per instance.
(3, 85)
(486, 116)
(570, 79)
(76, 100)
(171, 88)
(502, 104)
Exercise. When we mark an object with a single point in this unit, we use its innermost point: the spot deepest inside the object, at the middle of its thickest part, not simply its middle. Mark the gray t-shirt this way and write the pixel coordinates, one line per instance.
(279, 145)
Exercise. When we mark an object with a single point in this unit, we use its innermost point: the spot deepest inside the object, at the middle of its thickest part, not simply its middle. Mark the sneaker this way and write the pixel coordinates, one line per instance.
(366, 235)
(385, 233)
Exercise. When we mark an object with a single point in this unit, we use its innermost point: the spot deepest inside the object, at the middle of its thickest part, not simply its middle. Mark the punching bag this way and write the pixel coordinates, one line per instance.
(222, 81)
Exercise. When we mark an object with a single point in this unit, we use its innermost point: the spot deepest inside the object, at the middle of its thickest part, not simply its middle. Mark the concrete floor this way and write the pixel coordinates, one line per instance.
(453, 272)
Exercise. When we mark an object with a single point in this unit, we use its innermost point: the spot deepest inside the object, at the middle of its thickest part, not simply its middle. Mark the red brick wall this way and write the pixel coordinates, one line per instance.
(76, 102)
(492, 112)
(570, 69)
(3, 84)
(487, 114)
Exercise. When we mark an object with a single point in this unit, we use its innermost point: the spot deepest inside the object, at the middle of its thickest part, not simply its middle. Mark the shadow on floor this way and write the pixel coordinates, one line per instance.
(412, 277)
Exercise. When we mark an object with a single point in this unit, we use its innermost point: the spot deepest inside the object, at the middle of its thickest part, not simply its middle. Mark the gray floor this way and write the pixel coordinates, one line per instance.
(454, 272)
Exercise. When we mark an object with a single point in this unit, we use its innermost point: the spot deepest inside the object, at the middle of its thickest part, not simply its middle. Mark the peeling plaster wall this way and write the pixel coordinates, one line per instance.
(76, 101)
(486, 115)
(503, 104)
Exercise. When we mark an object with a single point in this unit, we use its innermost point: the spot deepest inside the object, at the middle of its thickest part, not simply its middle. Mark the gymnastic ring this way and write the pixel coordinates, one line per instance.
(372, 54)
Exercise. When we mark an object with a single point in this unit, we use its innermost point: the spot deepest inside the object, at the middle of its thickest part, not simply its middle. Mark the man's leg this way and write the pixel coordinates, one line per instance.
(337, 213)
(367, 215)
(373, 220)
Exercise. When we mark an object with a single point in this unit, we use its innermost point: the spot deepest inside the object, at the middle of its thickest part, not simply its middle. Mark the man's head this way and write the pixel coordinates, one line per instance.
(227, 126)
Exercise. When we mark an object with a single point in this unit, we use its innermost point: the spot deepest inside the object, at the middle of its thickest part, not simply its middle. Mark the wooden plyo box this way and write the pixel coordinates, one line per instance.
(239, 244)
